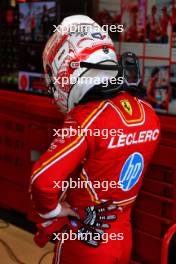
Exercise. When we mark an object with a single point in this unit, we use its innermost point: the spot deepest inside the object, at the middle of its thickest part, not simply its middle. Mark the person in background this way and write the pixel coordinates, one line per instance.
(173, 19)
(151, 87)
(45, 21)
(133, 28)
(164, 22)
(33, 26)
(154, 27)
(157, 94)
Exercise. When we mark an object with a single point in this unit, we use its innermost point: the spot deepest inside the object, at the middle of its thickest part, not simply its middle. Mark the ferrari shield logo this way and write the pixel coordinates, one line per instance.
(127, 106)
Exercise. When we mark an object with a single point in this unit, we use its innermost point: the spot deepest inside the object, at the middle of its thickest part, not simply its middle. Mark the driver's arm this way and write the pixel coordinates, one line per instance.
(60, 160)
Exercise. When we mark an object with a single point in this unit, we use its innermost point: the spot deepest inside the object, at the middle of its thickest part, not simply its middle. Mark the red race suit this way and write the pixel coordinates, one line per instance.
(114, 144)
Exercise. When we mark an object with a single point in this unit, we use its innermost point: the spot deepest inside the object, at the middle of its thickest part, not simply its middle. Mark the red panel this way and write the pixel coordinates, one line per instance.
(13, 196)
(147, 248)
(13, 154)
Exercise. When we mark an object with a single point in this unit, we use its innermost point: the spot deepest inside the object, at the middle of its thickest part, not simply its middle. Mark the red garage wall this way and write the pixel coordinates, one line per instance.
(155, 209)
(26, 123)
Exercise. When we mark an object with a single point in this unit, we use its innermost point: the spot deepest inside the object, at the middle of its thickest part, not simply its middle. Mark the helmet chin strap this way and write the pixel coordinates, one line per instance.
(97, 66)
(128, 68)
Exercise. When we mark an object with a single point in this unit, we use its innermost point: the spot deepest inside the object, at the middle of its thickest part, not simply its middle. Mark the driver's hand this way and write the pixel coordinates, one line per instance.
(67, 211)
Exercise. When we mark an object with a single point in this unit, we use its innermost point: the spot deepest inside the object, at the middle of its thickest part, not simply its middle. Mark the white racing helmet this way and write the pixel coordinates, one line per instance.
(78, 48)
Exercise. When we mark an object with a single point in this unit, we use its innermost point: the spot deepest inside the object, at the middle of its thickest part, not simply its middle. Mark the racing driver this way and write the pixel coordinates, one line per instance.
(120, 159)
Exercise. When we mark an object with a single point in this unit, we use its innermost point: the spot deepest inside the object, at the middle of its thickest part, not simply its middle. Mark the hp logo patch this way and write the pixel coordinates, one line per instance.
(131, 171)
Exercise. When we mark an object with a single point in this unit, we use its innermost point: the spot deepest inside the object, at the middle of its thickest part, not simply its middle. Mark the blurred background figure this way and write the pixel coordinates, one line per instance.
(164, 22)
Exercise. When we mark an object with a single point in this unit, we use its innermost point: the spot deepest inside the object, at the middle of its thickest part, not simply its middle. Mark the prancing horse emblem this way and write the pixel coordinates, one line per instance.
(127, 106)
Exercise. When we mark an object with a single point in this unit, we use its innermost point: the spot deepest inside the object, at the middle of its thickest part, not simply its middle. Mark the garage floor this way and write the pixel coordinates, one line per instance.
(22, 245)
